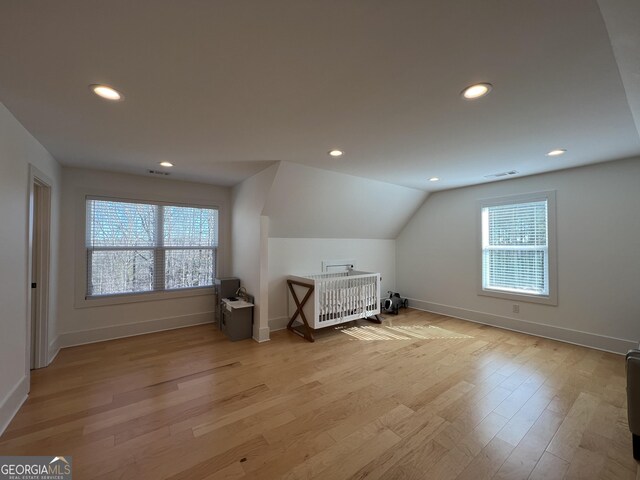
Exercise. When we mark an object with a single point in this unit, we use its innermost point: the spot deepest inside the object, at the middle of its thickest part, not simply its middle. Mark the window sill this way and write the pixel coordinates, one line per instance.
(520, 297)
(142, 297)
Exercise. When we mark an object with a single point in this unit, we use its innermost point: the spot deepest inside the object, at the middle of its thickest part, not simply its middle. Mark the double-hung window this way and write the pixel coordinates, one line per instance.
(138, 247)
(518, 247)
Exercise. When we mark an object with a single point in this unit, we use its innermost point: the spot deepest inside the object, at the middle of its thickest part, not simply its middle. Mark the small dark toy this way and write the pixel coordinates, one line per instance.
(394, 303)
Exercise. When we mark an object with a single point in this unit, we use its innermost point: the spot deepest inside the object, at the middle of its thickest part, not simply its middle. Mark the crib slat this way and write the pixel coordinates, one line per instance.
(342, 296)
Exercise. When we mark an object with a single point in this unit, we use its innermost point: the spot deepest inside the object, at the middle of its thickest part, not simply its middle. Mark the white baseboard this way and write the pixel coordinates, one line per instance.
(54, 349)
(279, 323)
(82, 337)
(567, 335)
(12, 402)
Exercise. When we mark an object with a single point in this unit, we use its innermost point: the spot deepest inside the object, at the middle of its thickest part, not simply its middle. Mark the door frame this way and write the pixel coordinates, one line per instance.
(43, 219)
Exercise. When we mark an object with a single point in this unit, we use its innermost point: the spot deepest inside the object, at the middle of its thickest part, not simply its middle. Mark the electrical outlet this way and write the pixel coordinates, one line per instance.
(516, 308)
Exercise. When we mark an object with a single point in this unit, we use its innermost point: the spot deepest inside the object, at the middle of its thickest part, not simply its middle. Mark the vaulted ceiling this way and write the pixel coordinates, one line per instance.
(224, 88)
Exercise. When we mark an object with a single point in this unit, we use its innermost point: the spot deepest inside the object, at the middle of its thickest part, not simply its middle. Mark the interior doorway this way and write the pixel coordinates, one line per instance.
(39, 261)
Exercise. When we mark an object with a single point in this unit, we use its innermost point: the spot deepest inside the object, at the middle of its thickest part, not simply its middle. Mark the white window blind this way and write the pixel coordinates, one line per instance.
(515, 248)
(135, 247)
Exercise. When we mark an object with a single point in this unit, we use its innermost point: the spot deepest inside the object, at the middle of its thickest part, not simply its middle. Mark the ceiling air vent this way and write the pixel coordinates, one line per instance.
(158, 172)
(502, 174)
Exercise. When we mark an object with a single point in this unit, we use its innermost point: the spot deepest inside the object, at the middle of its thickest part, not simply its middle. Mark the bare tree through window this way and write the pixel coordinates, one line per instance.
(141, 247)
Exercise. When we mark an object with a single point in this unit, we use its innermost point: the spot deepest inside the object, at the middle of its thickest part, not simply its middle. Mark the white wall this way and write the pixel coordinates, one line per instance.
(18, 149)
(294, 256)
(317, 215)
(78, 324)
(598, 213)
(307, 202)
(249, 237)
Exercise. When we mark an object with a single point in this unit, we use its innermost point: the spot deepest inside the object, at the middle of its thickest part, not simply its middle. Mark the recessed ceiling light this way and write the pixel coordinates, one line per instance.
(476, 91)
(166, 164)
(434, 179)
(106, 92)
(556, 152)
(336, 153)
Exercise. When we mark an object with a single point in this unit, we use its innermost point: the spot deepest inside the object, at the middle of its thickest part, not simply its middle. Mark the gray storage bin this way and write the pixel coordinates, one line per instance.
(237, 319)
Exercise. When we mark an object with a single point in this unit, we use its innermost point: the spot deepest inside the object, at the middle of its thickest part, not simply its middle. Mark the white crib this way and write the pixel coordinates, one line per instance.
(325, 299)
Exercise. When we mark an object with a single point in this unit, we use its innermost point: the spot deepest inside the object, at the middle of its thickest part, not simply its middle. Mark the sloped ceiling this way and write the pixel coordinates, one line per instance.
(306, 202)
(622, 18)
(224, 88)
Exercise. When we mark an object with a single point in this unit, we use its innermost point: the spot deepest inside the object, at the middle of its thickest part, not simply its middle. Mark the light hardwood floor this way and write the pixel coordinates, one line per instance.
(420, 397)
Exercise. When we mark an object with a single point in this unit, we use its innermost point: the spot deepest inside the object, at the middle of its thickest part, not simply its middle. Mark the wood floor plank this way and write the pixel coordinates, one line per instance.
(414, 452)
(567, 438)
(373, 448)
(530, 449)
(420, 396)
(549, 467)
(488, 461)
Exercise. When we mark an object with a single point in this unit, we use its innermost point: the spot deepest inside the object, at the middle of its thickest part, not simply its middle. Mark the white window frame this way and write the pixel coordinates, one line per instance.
(81, 267)
(552, 268)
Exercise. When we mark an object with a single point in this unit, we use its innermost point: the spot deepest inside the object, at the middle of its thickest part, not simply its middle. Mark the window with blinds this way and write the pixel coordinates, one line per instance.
(515, 247)
(135, 247)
